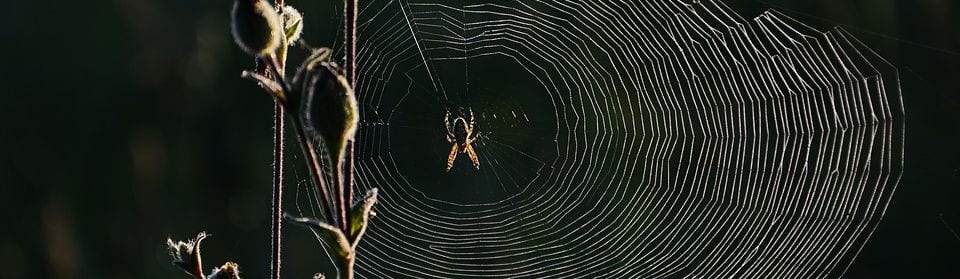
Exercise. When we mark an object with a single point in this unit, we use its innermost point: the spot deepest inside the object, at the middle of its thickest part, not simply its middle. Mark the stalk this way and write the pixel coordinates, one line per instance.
(277, 216)
(350, 17)
(350, 63)
(277, 190)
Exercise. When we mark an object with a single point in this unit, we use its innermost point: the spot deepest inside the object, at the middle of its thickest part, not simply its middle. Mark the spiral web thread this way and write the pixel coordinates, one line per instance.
(686, 141)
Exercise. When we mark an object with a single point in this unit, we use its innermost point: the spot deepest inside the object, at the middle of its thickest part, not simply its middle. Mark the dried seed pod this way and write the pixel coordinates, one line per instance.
(256, 27)
(228, 270)
(186, 255)
(329, 108)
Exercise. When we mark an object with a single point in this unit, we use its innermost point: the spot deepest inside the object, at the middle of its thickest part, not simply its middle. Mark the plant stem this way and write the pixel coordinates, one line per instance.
(337, 170)
(350, 16)
(345, 266)
(278, 121)
(277, 190)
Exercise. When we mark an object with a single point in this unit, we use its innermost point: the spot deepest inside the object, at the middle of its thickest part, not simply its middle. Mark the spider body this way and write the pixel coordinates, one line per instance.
(462, 136)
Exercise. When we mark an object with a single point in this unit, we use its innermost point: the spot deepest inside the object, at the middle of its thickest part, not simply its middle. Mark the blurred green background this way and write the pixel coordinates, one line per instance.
(125, 121)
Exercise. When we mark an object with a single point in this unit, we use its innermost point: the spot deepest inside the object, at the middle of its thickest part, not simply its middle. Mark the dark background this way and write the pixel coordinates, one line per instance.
(125, 121)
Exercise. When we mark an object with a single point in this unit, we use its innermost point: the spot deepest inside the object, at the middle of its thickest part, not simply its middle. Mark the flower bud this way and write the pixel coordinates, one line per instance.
(256, 27)
(292, 24)
(329, 108)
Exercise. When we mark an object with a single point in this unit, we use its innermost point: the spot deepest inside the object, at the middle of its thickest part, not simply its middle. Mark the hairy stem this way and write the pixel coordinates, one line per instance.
(350, 17)
(277, 190)
(345, 266)
(278, 119)
(338, 192)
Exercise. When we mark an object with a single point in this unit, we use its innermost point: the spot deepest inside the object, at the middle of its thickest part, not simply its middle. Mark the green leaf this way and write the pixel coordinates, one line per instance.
(360, 216)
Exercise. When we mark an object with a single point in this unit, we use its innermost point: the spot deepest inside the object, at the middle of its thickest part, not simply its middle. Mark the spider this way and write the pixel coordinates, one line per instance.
(461, 135)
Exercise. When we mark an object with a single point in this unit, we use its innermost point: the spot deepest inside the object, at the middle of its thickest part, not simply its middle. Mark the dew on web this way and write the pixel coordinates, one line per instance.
(620, 140)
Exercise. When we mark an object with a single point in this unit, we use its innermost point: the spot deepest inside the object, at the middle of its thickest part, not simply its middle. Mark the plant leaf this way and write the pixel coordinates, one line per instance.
(360, 216)
(329, 235)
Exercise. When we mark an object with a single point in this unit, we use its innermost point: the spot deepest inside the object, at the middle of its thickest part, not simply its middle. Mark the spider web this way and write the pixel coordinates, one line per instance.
(620, 140)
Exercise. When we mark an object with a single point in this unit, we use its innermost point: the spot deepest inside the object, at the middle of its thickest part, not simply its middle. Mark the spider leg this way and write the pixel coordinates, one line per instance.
(446, 125)
(453, 156)
(471, 119)
(473, 156)
(472, 139)
(446, 120)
